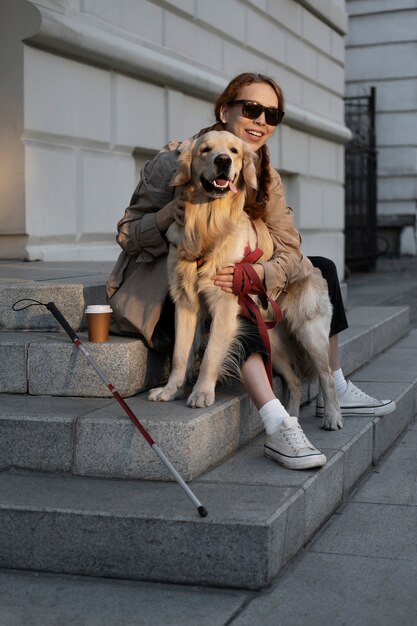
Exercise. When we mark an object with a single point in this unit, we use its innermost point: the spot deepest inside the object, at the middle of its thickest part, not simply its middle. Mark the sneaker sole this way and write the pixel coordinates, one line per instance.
(376, 411)
(305, 462)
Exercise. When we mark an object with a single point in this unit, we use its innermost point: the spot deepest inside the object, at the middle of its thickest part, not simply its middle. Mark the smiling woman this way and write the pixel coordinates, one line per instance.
(250, 107)
(240, 118)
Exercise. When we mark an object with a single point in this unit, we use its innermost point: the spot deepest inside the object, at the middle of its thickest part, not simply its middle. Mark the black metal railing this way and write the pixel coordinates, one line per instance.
(360, 183)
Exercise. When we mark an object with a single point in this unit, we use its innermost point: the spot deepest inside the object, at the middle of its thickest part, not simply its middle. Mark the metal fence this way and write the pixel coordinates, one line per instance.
(360, 183)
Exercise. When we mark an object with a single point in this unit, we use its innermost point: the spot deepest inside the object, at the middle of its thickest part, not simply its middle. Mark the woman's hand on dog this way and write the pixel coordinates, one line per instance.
(171, 212)
(224, 277)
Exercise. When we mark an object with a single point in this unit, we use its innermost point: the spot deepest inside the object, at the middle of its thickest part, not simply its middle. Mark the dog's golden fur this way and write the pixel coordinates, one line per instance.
(300, 344)
(217, 230)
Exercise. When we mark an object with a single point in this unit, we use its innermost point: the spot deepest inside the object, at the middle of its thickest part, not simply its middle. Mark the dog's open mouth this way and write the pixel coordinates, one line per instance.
(219, 186)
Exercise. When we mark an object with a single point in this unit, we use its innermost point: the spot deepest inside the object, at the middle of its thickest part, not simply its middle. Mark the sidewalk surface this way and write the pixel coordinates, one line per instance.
(359, 570)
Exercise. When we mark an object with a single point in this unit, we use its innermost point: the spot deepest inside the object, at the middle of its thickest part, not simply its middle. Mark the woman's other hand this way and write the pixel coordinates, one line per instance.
(224, 277)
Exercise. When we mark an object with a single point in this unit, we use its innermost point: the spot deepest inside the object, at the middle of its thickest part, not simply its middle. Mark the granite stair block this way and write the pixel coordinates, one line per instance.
(13, 359)
(371, 330)
(14, 347)
(149, 531)
(70, 298)
(95, 437)
(48, 363)
(59, 368)
(396, 367)
(38, 433)
(108, 444)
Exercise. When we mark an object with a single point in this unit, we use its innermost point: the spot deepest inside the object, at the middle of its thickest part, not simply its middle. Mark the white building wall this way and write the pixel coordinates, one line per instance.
(381, 51)
(103, 84)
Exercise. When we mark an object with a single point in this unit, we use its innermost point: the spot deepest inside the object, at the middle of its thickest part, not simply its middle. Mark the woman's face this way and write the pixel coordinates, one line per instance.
(254, 132)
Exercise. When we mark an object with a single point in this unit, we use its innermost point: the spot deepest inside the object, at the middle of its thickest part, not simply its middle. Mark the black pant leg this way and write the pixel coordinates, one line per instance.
(329, 271)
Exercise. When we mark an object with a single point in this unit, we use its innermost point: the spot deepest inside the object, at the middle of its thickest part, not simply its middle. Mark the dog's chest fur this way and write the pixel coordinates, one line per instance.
(214, 235)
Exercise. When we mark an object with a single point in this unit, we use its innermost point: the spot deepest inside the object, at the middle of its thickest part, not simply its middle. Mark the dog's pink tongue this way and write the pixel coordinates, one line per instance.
(223, 183)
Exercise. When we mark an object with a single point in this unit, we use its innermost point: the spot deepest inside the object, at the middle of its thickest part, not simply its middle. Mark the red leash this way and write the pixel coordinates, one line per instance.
(246, 281)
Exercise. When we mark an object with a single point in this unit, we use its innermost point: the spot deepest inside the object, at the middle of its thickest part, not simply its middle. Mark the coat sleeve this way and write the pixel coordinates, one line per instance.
(284, 265)
(138, 233)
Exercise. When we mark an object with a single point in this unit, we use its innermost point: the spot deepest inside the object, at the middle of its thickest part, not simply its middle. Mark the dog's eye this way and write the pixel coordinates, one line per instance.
(205, 149)
(234, 150)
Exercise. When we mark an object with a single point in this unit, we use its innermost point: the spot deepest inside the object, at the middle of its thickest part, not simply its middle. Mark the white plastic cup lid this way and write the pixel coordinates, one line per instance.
(98, 308)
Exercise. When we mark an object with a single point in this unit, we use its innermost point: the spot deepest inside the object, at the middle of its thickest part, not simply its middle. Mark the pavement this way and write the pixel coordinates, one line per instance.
(360, 569)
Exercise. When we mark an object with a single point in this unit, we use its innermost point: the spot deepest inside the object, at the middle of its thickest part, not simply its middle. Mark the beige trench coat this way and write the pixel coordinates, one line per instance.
(138, 284)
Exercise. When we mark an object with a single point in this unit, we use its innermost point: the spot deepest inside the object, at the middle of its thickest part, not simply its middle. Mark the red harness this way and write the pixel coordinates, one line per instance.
(246, 281)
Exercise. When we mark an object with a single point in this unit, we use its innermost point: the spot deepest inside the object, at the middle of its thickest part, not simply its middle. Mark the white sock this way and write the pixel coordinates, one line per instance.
(340, 382)
(272, 414)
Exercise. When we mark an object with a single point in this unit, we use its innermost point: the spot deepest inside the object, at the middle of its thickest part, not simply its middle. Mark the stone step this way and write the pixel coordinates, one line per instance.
(94, 437)
(70, 297)
(259, 514)
(50, 364)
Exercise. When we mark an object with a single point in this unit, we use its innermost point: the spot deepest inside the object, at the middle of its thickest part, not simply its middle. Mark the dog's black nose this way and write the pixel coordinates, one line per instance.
(222, 160)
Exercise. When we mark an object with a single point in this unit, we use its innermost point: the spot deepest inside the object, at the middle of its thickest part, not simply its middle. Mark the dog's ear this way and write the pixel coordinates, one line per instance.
(183, 173)
(250, 177)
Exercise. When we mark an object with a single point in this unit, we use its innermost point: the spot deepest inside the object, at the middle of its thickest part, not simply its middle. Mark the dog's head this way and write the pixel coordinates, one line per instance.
(216, 163)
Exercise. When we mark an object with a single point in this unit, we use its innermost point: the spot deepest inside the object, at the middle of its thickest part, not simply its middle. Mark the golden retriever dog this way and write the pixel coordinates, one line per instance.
(214, 171)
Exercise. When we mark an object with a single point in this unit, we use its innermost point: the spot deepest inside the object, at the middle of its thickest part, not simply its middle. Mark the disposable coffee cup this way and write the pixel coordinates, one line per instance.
(98, 322)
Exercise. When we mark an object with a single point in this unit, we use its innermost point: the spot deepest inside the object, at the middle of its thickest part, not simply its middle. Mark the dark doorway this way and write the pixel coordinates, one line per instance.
(360, 184)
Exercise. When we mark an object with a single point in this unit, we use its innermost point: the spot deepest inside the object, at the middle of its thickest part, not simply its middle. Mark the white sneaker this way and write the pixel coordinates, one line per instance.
(354, 401)
(290, 447)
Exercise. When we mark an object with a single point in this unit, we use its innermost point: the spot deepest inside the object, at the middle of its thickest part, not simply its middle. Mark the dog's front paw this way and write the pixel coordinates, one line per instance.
(162, 394)
(332, 422)
(200, 397)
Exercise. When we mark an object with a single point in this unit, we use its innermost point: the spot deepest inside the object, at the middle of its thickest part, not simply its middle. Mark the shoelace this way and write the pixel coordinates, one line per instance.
(354, 390)
(361, 394)
(296, 438)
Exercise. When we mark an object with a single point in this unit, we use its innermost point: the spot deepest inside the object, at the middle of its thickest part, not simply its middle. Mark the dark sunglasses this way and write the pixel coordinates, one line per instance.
(252, 110)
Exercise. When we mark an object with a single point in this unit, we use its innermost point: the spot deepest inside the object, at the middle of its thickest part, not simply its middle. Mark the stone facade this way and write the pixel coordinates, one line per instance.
(95, 87)
(381, 51)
